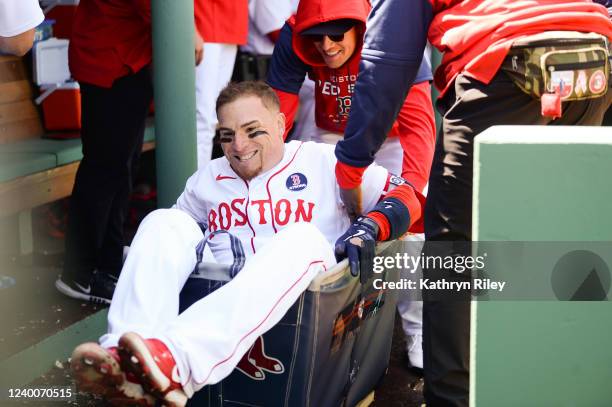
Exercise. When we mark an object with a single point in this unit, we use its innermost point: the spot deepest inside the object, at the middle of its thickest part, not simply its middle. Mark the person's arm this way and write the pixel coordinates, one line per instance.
(19, 44)
(274, 35)
(289, 103)
(190, 200)
(399, 209)
(395, 38)
(269, 16)
(417, 135)
(286, 75)
(18, 21)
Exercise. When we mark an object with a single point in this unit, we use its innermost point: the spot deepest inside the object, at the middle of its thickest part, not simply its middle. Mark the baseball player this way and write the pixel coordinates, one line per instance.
(275, 204)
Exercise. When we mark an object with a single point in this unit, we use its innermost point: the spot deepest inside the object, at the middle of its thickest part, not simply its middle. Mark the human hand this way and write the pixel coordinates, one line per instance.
(352, 201)
(358, 243)
(199, 47)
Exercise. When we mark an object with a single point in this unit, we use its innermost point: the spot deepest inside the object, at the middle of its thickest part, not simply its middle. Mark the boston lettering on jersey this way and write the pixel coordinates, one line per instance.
(234, 213)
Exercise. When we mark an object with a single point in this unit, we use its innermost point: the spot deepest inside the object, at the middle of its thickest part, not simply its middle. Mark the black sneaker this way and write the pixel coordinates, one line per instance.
(99, 290)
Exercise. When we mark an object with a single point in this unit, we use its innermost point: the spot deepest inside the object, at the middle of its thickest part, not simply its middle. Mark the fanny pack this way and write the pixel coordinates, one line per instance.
(570, 65)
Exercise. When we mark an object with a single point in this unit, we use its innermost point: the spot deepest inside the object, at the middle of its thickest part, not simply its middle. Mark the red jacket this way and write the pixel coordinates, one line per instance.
(222, 21)
(109, 40)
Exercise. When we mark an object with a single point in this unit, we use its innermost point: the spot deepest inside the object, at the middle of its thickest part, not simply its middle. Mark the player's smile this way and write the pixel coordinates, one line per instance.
(336, 53)
(251, 136)
(246, 157)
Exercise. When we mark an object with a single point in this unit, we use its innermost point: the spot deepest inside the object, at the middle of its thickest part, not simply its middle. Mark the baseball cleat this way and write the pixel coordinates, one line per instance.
(151, 362)
(97, 370)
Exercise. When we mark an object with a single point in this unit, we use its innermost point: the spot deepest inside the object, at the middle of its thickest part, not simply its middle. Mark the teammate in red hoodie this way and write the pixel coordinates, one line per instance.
(323, 40)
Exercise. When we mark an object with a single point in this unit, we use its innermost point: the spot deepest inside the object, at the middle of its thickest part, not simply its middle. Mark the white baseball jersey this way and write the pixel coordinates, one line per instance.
(265, 16)
(301, 188)
(286, 220)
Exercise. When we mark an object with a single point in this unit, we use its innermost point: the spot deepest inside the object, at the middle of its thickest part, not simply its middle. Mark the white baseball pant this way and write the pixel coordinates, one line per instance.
(209, 338)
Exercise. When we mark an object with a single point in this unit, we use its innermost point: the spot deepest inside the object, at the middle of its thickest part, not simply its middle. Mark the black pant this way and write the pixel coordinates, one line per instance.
(469, 108)
(113, 122)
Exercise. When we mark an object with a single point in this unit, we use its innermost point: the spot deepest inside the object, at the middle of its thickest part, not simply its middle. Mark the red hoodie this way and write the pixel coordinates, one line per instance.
(333, 87)
(295, 56)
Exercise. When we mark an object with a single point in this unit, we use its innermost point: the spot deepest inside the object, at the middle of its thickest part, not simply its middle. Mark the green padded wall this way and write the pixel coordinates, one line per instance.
(547, 183)
(174, 83)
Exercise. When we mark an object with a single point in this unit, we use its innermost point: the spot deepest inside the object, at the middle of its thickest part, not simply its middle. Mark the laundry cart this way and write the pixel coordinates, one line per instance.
(330, 349)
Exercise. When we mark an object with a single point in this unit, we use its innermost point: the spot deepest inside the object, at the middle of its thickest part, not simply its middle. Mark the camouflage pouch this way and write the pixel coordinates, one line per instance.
(573, 65)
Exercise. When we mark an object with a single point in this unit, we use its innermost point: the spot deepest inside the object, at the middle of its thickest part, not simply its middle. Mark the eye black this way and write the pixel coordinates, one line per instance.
(257, 133)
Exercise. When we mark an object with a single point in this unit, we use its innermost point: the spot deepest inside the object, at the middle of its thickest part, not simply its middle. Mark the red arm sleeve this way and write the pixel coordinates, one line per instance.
(414, 202)
(288, 106)
(417, 132)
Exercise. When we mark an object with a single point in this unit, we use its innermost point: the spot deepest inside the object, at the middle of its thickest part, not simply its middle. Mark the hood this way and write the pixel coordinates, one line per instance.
(313, 12)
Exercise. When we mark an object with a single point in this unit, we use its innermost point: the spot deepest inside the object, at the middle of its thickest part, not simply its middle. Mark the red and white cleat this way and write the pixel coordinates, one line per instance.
(151, 362)
(97, 370)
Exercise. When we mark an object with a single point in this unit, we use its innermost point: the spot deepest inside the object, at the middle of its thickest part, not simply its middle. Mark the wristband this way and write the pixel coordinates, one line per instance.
(396, 213)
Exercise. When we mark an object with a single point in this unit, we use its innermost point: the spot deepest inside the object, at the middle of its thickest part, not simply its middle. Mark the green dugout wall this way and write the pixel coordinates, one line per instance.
(174, 83)
(547, 183)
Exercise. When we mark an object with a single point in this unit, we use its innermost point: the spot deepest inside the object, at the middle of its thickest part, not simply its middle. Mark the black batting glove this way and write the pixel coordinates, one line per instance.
(358, 243)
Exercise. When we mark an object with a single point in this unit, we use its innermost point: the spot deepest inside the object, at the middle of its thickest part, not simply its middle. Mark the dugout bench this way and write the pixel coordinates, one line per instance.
(330, 349)
(35, 167)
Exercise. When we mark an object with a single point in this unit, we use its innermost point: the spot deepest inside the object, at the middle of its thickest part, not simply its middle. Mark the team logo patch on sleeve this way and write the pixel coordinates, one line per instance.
(395, 180)
(296, 182)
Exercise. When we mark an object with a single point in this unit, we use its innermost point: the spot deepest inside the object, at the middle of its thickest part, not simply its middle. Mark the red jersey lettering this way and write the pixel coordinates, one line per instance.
(239, 212)
(301, 211)
(225, 216)
(278, 211)
(261, 202)
(212, 221)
